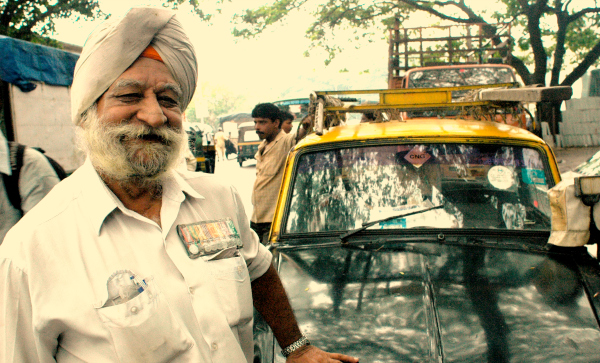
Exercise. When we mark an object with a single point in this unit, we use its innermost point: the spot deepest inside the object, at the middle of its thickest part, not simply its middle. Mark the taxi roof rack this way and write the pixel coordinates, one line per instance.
(329, 106)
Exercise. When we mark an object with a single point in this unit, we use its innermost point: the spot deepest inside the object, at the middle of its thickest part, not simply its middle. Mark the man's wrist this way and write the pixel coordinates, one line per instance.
(302, 342)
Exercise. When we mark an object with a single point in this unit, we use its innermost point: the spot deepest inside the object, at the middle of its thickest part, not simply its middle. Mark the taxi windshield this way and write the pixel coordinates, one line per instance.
(482, 186)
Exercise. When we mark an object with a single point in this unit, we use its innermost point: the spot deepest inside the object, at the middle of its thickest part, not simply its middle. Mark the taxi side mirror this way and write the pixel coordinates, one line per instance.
(587, 188)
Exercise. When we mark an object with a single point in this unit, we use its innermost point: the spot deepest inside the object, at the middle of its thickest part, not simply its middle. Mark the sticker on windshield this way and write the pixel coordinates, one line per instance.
(417, 156)
(534, 176)
(501, 177)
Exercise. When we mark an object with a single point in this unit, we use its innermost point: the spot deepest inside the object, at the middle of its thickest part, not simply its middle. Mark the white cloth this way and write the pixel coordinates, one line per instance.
(4, 156)
(118, 42)
(55, 263)
(36, 179)
(570, 217)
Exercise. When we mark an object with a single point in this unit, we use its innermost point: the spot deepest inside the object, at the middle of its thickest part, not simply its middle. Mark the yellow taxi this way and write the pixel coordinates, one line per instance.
(485, 174)
(426, 240)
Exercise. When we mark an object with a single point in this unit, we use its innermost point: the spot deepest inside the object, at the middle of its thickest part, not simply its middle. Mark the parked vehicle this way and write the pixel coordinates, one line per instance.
(248, 142)
(202, 145)
(425, 240)
(452, 56)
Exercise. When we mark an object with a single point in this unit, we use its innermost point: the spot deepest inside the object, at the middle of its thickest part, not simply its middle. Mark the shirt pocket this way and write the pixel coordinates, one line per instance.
(232, 283)
(144, 328)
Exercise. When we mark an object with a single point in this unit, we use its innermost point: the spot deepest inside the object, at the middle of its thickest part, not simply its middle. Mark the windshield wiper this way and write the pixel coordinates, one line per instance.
(345, 236)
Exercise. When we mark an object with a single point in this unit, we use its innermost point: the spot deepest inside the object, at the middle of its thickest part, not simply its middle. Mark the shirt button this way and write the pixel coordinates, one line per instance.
(134, 310)
(214, 346)
(191, 290)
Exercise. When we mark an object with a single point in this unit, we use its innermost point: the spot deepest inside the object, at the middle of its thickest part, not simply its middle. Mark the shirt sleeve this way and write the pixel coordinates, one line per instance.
(17, 338)
(37, 178)
(257, 256)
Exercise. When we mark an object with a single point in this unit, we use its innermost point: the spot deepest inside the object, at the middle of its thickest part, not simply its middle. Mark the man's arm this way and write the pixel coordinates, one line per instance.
(271, 301)
(306, 127)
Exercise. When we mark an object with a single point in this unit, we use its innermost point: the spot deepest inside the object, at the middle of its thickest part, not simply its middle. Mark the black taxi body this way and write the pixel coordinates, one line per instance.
(426, 241)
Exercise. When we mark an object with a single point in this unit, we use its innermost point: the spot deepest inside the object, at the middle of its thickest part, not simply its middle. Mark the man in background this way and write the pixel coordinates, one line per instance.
(286, 121)
(220, 144)
(270, 162)
(34, 180)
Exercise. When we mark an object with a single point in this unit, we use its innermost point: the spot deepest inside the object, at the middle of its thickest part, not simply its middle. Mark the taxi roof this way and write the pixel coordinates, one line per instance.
(434, 128)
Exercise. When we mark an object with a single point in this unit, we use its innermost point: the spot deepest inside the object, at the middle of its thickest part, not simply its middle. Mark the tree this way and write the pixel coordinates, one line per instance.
(34, 20)
(568, 31)
(216, 100)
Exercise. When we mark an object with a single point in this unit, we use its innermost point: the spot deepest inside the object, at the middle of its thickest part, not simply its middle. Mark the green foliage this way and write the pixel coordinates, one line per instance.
(34, 21)
(362, 20)
(216, 101)
(353, 20)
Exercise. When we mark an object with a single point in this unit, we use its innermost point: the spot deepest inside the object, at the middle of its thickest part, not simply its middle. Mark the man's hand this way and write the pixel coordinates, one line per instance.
(307, 123)
(312, 354)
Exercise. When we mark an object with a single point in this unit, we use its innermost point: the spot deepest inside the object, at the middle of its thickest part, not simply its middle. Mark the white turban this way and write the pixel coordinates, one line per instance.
(116, 44)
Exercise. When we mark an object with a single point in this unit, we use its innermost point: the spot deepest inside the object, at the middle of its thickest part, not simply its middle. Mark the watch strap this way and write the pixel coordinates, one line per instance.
(303, 341)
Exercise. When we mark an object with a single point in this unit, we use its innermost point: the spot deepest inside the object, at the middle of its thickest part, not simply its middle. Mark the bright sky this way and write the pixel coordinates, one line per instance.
(271, 66)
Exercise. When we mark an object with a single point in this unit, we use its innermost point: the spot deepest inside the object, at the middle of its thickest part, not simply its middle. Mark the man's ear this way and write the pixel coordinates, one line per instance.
(280, 123)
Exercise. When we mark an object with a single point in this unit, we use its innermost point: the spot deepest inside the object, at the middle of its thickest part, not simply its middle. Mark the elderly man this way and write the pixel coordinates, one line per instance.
(129, 260)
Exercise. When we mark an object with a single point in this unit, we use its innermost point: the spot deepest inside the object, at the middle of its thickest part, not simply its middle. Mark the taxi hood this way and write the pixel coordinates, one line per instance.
(439, 302)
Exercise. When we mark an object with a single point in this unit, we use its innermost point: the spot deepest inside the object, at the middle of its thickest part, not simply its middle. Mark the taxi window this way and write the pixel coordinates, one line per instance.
(454, 77)
(481, 186)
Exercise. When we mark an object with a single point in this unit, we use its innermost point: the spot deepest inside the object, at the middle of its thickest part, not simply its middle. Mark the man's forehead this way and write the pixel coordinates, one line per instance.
(124, 83)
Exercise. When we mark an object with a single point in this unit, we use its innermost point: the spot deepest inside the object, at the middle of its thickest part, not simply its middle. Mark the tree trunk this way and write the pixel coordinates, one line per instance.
(559, 53)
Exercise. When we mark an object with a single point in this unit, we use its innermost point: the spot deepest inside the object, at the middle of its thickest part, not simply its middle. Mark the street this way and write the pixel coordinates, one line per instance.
(570, 158)
(242, 178)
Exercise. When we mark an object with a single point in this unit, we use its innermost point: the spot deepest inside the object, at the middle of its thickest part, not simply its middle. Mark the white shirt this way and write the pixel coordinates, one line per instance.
(55, 263)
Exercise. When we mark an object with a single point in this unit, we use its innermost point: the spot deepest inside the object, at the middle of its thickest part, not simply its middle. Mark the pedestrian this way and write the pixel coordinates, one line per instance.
(34, 179)
(220, 144)
(128, 260)
(270, 161)
(286, 121)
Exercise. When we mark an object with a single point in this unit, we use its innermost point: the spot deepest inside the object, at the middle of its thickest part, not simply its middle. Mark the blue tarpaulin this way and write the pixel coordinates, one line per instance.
(22, 63)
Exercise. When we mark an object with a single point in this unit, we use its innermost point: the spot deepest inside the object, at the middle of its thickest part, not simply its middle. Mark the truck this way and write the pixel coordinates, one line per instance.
(455, 56)
(35, 102)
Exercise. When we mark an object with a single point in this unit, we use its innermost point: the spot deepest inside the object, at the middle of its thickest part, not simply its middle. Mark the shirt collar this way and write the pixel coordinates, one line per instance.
(4, 156)
(100, 201)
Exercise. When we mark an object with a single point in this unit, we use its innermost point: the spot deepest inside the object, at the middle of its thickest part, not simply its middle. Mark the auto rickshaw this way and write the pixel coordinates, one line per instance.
(248, 142)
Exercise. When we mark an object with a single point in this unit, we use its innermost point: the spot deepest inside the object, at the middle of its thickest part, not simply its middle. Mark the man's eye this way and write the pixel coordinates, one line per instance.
(129, 97)
(168, 102)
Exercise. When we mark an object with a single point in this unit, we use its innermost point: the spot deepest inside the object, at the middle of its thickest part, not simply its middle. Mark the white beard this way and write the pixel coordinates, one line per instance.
(115, 154)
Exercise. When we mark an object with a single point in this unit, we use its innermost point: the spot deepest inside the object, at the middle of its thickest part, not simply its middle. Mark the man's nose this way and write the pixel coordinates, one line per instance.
(151, 113)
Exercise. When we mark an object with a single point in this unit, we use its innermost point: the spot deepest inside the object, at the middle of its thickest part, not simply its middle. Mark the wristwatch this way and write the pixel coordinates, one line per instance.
(295, 346)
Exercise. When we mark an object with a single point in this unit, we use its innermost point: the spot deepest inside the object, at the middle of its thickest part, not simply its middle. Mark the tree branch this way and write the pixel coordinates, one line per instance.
(417, 5)
(583, 12)
(585, 64)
